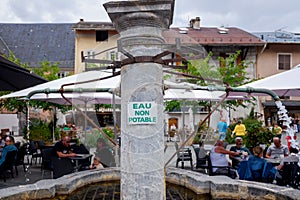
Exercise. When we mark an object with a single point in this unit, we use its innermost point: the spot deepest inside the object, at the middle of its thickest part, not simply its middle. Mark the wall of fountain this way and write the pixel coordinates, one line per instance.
(216, 187)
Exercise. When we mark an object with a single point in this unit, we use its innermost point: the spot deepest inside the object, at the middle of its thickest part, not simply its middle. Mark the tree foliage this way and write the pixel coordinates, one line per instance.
(256, 133)
(229, 73)
(47, 71)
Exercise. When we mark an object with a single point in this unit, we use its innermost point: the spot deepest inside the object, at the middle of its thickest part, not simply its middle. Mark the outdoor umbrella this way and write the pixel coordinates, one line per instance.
(112, 83)
(283, 84)
(14, 77)
(192, 95)
(75, 82)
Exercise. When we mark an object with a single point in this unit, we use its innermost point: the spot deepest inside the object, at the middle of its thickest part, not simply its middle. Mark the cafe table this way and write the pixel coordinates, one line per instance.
(274, 161)
(79, 157)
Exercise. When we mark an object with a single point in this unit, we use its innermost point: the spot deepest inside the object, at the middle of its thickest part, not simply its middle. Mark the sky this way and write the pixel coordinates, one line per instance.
(251, 16)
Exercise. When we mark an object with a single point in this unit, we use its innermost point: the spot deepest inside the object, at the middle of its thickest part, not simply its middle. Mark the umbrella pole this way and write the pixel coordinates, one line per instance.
(183, 120)
(85, 120)
(115, 129)
(54, 124)
(27, 120)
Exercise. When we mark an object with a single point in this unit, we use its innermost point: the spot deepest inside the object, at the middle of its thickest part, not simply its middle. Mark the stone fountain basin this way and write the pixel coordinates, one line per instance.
(219, 187)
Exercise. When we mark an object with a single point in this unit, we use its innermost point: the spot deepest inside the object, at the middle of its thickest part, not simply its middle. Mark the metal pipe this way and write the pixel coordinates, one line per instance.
(68, 90)
(247, 90)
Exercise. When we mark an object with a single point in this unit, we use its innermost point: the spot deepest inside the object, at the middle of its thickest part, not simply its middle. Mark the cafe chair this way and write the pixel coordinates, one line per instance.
(201, 163)
(289, 175)
(8, 164)
(34, 152)
(46, 161)
(226, 170)
(79, 149)
(61, 167)
(20, 158)
(183, 154)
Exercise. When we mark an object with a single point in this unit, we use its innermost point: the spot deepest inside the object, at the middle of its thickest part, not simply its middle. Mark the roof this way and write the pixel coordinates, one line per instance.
(204, 35)
(279, 36)
(34, 43)
(55, 42)
(82, 25)
(212, 36)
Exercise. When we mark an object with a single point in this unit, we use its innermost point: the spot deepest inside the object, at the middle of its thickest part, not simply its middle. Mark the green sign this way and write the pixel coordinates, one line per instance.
(142, 113)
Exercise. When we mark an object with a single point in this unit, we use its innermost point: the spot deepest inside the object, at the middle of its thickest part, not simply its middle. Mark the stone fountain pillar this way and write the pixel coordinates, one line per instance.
(140, 24)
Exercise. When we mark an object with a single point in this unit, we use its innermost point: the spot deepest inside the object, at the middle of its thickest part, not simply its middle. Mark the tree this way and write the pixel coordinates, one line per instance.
(46, 70)
(230, 72)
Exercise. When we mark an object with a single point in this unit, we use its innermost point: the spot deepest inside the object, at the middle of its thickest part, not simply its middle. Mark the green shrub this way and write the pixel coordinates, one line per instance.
(39, 130)
(109, 132)
(256, 133)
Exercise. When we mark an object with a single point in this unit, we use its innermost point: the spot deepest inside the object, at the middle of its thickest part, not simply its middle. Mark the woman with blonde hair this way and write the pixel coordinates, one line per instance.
(258, 151)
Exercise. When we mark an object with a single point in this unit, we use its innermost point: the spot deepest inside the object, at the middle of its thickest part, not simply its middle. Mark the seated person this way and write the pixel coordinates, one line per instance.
(277, 150)
(256, 168)
(9, 146)
(96, 163)
(105, 154)
(62, 149)
(244, 152)
(61, 153)
(218, 158)
(292, 158)
(2, 142)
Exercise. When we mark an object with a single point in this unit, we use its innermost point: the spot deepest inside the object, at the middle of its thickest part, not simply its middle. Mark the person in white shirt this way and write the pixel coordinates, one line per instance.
(218, 157)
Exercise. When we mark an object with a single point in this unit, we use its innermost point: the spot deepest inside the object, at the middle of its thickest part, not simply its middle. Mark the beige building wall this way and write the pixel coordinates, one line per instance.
(85, 41)
(267, 60)
(267, 64)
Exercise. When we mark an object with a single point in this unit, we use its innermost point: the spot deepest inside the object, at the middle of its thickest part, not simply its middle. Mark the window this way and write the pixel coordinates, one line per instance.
(284, 61)
(101, 36)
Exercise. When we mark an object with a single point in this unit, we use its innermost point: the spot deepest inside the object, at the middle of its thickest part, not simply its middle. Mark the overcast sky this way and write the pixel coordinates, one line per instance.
(252, 16)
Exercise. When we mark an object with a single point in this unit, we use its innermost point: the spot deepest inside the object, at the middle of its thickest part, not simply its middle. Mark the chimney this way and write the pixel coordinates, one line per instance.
(195, 23)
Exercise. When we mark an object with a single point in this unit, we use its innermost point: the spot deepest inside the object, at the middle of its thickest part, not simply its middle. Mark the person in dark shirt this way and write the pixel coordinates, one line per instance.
(244, 152)
(61, 153)
(62, 149)
(105, 154)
